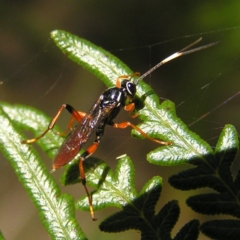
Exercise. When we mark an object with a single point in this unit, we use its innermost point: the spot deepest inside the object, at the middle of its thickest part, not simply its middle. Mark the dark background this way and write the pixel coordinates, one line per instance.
(34, 72)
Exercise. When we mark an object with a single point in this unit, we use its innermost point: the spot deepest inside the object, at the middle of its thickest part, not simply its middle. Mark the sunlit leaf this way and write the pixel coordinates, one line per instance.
(56, 209)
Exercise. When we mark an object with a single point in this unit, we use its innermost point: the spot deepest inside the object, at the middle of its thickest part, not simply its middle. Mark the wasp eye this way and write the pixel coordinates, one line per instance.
(131, 88)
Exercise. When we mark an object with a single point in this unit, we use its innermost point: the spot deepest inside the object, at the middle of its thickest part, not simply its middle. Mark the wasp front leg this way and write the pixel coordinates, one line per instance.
(130, 108)
(119, 79)
(75, 116)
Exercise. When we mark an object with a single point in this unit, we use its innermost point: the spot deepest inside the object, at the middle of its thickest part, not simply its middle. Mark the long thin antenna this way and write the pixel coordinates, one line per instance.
(176, 55)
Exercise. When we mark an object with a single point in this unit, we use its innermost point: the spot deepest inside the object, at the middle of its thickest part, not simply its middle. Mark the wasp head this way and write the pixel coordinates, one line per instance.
(128, 87)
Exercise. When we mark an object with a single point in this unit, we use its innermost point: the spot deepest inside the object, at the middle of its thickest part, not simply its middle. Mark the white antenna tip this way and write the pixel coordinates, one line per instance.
(171, 57)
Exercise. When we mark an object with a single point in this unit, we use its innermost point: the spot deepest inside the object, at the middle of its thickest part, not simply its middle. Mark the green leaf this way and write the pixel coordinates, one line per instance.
(31, 119)
(213, 203)
(160, 120)
(56, 209)
(114, 190)
(138, 210)
(1, 236)
(117, 189)
(167, 218)
(189, 231)
(72, 175)
(214, 172)
(222, 229)
(98, 61)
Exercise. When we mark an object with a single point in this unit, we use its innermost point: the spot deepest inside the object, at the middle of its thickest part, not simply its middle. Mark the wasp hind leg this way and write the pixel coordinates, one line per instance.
(75, 116)
(128, 124)
(70, 123)
(85, 155)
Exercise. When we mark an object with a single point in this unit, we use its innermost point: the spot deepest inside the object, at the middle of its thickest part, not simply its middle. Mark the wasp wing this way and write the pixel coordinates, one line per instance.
(81, 133)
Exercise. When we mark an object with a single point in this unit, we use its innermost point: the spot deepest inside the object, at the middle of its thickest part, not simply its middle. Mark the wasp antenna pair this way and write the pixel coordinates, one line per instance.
(180, 53)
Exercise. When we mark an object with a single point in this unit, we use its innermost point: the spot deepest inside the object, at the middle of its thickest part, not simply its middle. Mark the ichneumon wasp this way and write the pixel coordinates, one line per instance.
(102, 113)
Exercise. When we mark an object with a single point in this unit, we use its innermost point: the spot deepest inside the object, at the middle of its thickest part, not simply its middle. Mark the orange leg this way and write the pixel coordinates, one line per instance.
(70, 124)
(85, 155)
(130, 108)
(128, 124)
(75, 115)
(119, 79)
